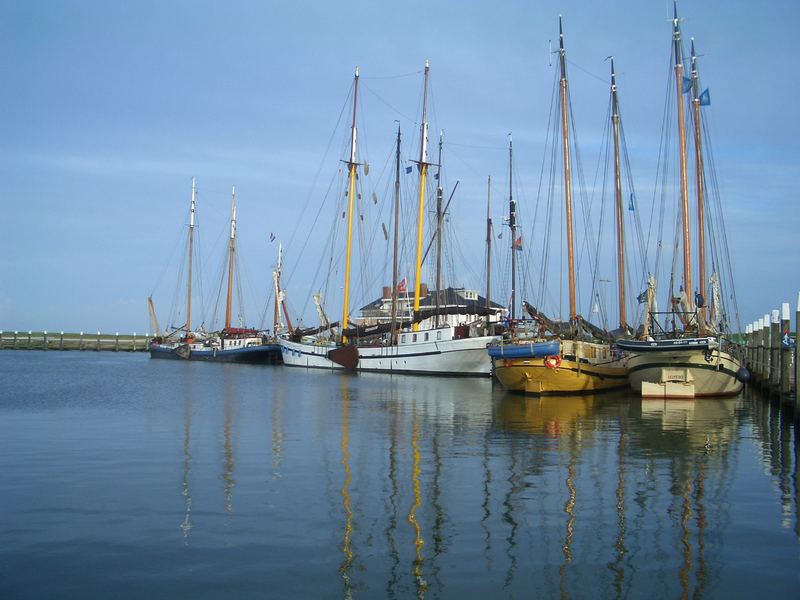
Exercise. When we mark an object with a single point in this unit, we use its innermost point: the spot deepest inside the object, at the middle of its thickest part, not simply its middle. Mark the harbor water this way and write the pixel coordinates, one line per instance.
(125, 477)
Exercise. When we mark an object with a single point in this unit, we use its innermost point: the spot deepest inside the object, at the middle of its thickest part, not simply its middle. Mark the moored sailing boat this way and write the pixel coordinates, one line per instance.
(231, 344)
(575, 357)
(307, 348)
(696, 360)
(427, 342)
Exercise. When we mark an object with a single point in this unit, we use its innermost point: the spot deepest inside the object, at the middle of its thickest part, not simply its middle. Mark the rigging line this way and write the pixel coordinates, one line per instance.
(598, 77)
(392, 76)
(387, 103)
(546, 237)
(322, 162)
(500, 148)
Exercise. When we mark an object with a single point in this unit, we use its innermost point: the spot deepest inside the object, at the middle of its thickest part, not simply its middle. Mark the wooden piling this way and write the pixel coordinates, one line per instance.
(775, 352)
(786, 352)
(797, 364)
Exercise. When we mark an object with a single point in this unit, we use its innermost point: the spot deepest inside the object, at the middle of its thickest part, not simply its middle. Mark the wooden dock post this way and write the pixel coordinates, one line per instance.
(786, 352)
(767, 352)
(748, 345)
(760, 351)
(797, 363)
(775, 352)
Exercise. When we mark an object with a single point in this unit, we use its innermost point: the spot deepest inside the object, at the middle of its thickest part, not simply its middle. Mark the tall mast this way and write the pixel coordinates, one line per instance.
(396, 234)
(687, 260)
(618, 197)
(276, 278)
(698, 150)
(231, 251)
(488, 244)
(423, 173)
(439, 217)
(567, 173)
(351, 193)
(191, 246)
(512, 224)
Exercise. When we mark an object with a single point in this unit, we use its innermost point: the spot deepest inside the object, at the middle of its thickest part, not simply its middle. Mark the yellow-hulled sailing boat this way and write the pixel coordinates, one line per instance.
(575, 357)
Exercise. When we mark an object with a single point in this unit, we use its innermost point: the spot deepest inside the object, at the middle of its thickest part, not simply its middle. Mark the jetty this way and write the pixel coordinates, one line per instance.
(771, 349)
(96, 341)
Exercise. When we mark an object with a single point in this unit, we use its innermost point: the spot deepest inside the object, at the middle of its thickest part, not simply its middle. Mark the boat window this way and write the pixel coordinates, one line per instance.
(402, 339)
(414, 338)
(426, 336)
(438, 335)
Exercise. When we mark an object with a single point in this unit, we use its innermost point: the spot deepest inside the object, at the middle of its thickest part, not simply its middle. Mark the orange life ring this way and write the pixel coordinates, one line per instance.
(553, 361)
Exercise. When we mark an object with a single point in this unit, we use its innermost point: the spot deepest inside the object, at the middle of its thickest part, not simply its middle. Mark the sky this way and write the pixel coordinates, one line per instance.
(109, 108)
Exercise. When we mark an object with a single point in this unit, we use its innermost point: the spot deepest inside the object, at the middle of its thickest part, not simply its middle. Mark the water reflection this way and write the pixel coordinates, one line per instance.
(186, 524)
(521, 493)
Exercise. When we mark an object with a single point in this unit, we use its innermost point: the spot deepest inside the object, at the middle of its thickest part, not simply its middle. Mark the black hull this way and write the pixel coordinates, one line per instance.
(269, 354)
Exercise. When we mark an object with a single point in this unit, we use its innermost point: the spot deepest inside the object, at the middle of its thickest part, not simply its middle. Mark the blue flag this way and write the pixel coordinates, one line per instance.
(408, 169)
(705, 98)
(630, 204)
(687, 85)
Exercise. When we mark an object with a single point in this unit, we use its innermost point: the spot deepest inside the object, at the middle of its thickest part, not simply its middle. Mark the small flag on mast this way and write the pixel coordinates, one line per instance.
(687, 85)
(518, 243)
(409, 169)
(271, 237)
(705, 98)
(401, 286)
(631, 207)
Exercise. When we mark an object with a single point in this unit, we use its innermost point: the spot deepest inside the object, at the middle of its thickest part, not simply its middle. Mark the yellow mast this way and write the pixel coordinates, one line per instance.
(701, 242)
(618, 197)
(423, 173)
(687, 261)
(351, 192)
(191, 245)
(231, 250)
(567, 175)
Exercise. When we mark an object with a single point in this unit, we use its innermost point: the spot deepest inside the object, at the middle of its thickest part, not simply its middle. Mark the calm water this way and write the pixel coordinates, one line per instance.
(127, 477)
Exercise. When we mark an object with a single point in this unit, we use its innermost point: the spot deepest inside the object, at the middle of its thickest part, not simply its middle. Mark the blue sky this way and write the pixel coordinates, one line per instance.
(109, 108)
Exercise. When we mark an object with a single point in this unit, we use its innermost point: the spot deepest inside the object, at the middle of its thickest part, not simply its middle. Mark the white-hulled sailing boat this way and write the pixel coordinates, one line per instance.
(429, 343)
(232, 344)
(306, 349)
(575, 357)
(694, 360)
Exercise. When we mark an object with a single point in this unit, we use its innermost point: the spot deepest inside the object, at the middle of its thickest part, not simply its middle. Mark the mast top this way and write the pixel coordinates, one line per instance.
(427, 64)
(356, 71)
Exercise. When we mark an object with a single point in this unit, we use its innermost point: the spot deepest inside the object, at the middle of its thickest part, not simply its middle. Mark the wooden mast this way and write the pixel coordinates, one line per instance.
(191, 251)
(687, 261)
(439, 217)
(618, 197)
(567, 173)
(231, 252)
(351, 193)
(488, 244)
(423, 173)
(698, 148)
(512, 225)
(396, 236)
